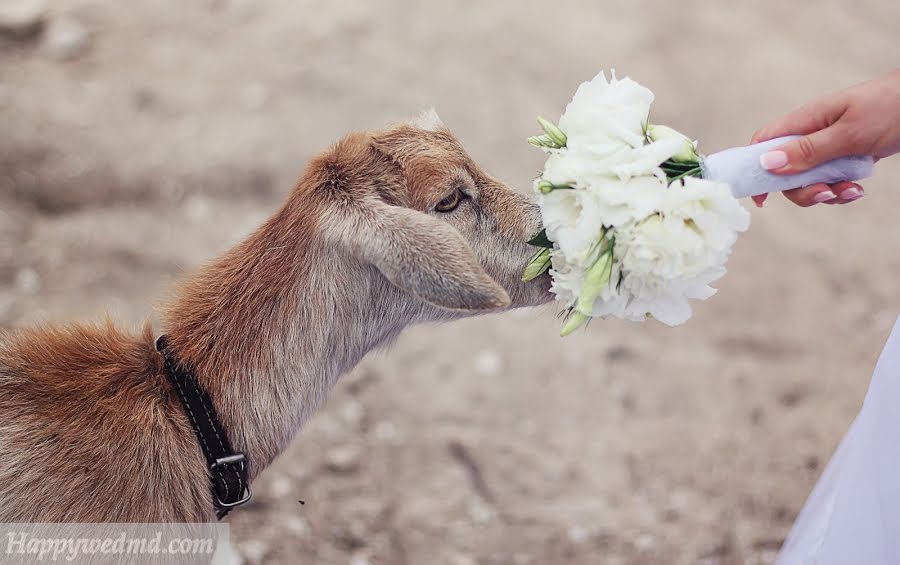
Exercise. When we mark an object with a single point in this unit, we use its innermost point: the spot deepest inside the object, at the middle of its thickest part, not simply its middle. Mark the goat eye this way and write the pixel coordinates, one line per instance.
(450, 203)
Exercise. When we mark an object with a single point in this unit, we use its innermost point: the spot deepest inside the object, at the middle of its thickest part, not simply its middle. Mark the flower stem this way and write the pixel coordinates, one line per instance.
(695, 172)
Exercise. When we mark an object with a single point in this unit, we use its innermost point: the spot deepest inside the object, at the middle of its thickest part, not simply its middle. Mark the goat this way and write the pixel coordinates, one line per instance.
(385, 229)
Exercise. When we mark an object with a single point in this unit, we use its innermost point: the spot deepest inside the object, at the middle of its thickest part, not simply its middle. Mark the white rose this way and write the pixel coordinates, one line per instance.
(605, 115)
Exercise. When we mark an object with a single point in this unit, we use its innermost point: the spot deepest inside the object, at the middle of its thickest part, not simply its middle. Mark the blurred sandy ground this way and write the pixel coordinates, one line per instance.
(168, 129)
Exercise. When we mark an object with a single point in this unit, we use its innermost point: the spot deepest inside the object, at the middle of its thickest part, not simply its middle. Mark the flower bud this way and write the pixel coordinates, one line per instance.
(540, 141)
(546, 187)
(595, 279)
(688, 152)
(538, 265)
(576, 320)
(553, 132)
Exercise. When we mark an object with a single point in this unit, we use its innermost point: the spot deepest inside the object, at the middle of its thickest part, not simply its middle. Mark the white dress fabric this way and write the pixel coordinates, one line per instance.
(853, 514)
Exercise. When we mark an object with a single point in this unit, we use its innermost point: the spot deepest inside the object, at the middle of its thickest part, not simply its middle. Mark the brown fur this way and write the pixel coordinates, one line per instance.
(90, 429)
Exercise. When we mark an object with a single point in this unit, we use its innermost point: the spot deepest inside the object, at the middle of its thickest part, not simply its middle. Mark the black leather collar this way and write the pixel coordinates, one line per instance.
(228, 469)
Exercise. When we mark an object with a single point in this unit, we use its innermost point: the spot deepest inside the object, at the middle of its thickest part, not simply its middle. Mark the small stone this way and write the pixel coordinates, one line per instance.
(144, 98)
(280, 487)
(480, 513)
(343, 459)
(488, 363)
(296, 526)
(21, 18)
(619, 353)
(65, 38)
(28, 281)
(254, 551)
(645, 542)
(388, 433)
(352, 413)
(577, 534)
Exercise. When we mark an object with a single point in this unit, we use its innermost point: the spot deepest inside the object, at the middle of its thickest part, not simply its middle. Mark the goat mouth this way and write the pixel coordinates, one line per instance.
(543, 283)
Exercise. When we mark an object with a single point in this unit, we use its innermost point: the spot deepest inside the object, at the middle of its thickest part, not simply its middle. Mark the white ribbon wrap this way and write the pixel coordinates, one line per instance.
(740, 168)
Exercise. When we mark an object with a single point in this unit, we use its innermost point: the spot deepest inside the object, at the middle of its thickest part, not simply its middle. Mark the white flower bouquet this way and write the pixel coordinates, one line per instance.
(636, 221)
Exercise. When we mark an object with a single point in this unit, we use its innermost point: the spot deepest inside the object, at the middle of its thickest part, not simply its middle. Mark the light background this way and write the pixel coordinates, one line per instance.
(183, 123)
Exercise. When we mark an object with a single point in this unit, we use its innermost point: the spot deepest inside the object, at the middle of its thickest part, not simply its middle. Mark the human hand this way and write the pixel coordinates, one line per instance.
(860, 120)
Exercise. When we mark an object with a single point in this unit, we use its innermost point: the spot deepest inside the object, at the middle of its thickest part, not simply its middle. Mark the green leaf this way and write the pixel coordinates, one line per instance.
(695, 172)
(541, 240)
(679, 165)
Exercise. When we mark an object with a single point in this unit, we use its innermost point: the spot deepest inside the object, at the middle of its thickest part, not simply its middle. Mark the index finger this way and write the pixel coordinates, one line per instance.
(809, 118)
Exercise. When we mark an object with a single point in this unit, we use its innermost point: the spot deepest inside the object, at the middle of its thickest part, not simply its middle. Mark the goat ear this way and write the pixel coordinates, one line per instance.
(428, 258)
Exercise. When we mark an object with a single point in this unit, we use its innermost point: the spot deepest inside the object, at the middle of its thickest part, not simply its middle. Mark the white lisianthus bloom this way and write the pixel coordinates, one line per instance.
(664, 262)
(711, 206)
(572, 222)
(673, 255)
(618, 202)
(566, 278)
(611, 200)
(581, 168)
(605, 114)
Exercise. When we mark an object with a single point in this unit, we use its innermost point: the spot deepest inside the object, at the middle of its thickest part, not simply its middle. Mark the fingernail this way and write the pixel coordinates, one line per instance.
(852, 194)
(824, 196)
(773, 160)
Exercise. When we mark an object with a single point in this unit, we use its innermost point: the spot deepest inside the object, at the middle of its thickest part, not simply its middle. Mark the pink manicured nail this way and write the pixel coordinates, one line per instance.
(824, 196)
(852, 194)
(773, 160)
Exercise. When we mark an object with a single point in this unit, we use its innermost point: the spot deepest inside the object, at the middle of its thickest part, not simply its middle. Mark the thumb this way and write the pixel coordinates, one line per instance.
(808, 151)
